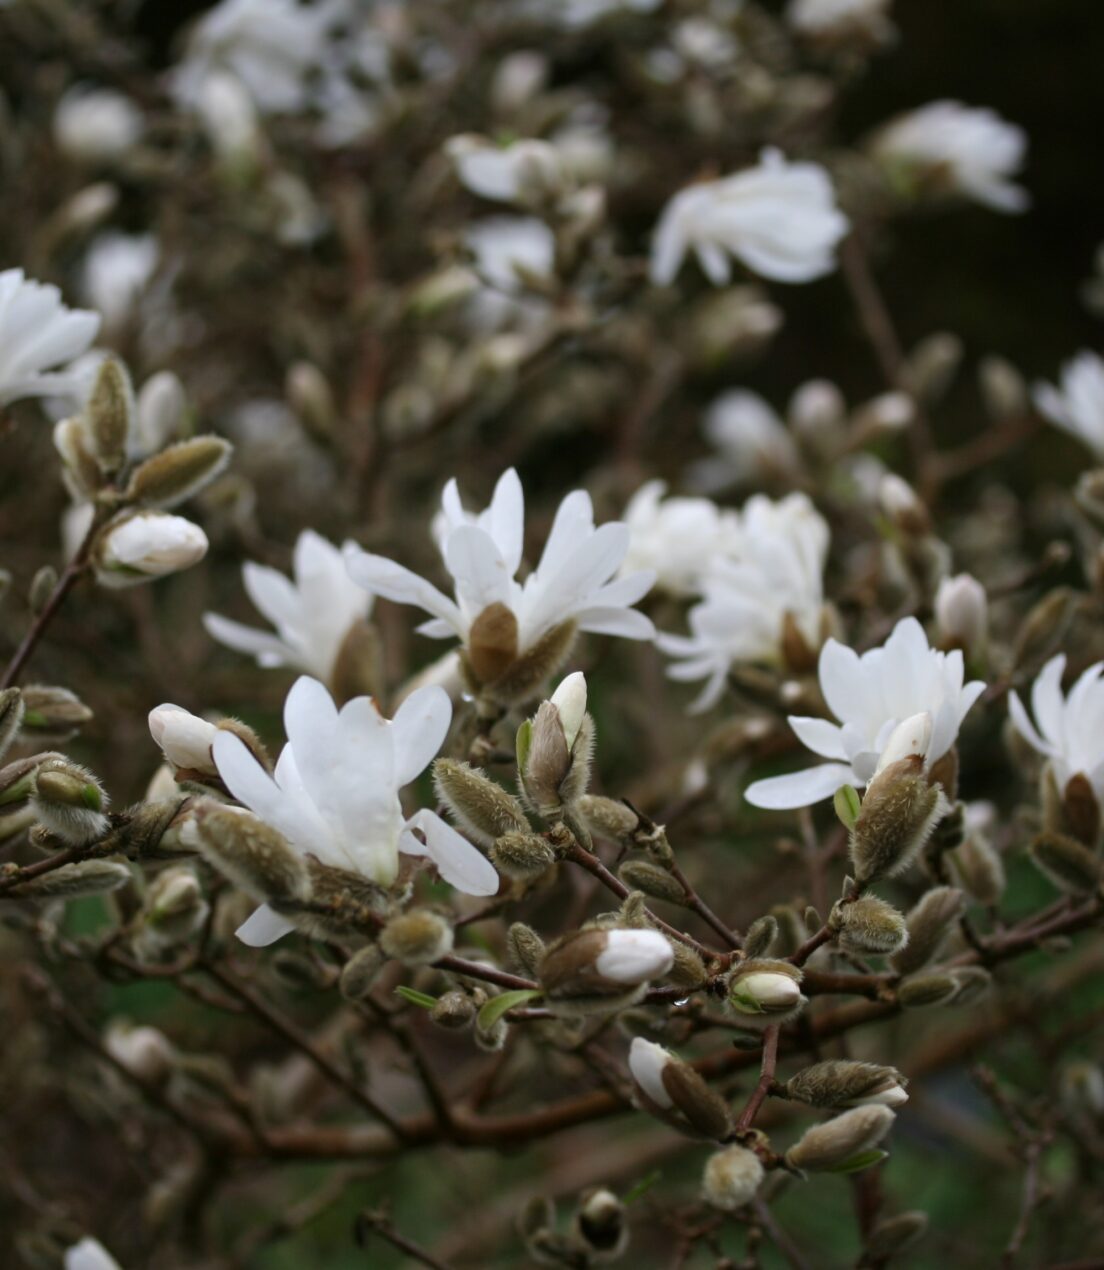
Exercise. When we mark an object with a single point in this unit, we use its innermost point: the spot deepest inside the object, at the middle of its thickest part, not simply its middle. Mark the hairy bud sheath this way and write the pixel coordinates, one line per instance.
(764, 990)
(178, 472)
(979, 869)
(12, 711)
(557, 749)
(600, 1225)
(847, 1083)
(110, 414)
(358, 975)
(608, 817)
(731, 1178)
(928, 923)
(71, 881)
(417, 938)
(174, 910)
(895, 1234)
(1069, 864)
(70, 802)
(52, 711)
(842, 1140)
(522, 856)
(868, 925)
(674, 1092)
(603, 968)
(249, 852)
(480, 805)
(525, 948)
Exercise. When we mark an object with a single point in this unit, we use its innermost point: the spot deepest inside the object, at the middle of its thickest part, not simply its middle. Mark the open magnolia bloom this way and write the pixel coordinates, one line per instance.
(38, 332)
(514, 633)
(677, 538)
(779, 219)
(871, 695)
(312, 614)
(765, 605)
(1078, 405)
(334, 794)
(1070, 730)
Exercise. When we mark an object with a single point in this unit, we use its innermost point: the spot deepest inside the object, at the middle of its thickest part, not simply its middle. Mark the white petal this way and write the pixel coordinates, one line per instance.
(507, 519)
(1046, 699)
(842, 680)
(799, 789)
(457, 861)
(418, 731)
(266, 647)
(394, 582)
(474, 560)
(819, 735)
(627, 623)
(265, 926)
(1022, 723)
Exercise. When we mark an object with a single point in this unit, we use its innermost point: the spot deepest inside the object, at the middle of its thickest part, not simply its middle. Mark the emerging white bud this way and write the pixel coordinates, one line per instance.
(634, 956)
(910, 737)
(899, 501)
(94, 125)
(184, 738)
(962, 611)
(144, 1051)
(771, 991)
(646, 1062)
(148, 545)
(229, 117)
(160, 407)
(570, 699)
(731, 1178)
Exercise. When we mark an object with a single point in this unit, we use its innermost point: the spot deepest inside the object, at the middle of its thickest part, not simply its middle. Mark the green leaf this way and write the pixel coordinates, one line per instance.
(641, 1188)
(847, 804)
(863, 1160)
(415, 997)
(496, 1007)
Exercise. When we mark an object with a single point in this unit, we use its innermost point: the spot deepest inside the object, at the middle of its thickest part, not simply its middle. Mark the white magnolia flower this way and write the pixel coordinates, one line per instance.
(752, 443)
(483, 554)
(970, 150)
(507, 247)
(37, 332)
(116, 272)
(779, 219)
(962, 612)
(1078, 406)
(95, 125)
(312, 614)
(334, 794)
(575, 14)
(148, 545)
(753, 603)
(271, 46)
(228, 116)
(634, 956)
(185, 739)
(647, 1062)
(89, 1254)
(678, 539)
(1068, 731)
(524, 171)
(839, 17)
(872, 695)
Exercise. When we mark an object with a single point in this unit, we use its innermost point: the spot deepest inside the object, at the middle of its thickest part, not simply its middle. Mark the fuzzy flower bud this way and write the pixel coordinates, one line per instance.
(902, 506)
(71, 881)
(554, 748)
(924, 990)
(607, 965)
(417, 938)
(674, 1092)
(479, 805)
(12, 712)
(51, 710)
(979, 869)
(110, 414)
(137, 548)
(143, 1051)
(454, 1010)
(843, 1142)
(731, 1178)
(768, 990)
(600, 1225)
(868, 925)
(70, 802)
(184, 738)
(179, 472)
(1069, 864)
(359, 973)
(898, 814)
(895, 1234)
(522, 856)
(928, 922)
(252, 854)
(962, 614)
(847, 1083)
(173, 911)
(608, 816)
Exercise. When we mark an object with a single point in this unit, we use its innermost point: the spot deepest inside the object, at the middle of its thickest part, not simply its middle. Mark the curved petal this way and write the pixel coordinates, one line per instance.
(1046, 699)
(819, 735)
(1023, 725)
(473, 558)
(627, 623)
(842, 681)
(799, 789)
(395, 582)
(263, 927)
(418, 730)
(506, 518)
(457, 861)
(269, 650)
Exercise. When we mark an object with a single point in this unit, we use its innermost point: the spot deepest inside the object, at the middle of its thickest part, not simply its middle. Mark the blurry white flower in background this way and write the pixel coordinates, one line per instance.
(229, 117)
(762, 605)
(508, 251)
(116, 272)
(576, 14)
(871, 695)
(677, 538)
(96, 125)
(312, 614)
(526, 171)
(779, 219)
(753, 444)
(840, 18)
(89, 1254)
(949, 147)
(38, 332)
(1078, 405)
(1069, 731)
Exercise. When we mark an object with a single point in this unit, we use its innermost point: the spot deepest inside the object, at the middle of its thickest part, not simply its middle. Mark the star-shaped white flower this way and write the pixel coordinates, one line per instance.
(483, 554)
(312, 614)
(871, 695)
(1068, 731)
(779, 219)
(679, 539)
(1078, 405)
(334, 794)
(37, 333)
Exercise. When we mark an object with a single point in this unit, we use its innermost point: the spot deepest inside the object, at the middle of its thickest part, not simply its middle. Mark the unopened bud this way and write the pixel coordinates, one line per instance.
(1003, 390)
(1044, 628)
(600, 1225)
(143, 1051)
(924, 990)
(971, 983)
(962, 612)
(110, 414)
(899, 813)
(454, 1010)
(1081, 1089)
(43, 585)
(309, 394)
(52, 710)
(557, 766)
(760, 936)
(70, 802)
(417, 938)
(522, 856)
(731, 1178)
(359, 973)
(932, 364)
(252, 854)
(901, 505)
(888, 412)
(816, 412)
(137, 548)
(928, 923)
(895, 1234)
(525, 948)
(847, 1083)
(652, 880)
(184, 738)
(519, 677)
(979, 869)
(81, 472)
(672, 1090)
(868, 925)
(173, 911)
(603, 964)
(71, 881)
(479, 804)
(844, 1142)
(768, 989)
(608, 817)
(12, 712)
(178, 472)
(1069, 864)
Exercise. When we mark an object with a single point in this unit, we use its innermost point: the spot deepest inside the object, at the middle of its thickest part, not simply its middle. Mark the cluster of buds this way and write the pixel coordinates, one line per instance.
(554, 750)
(596, 971)
(673, 1092)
